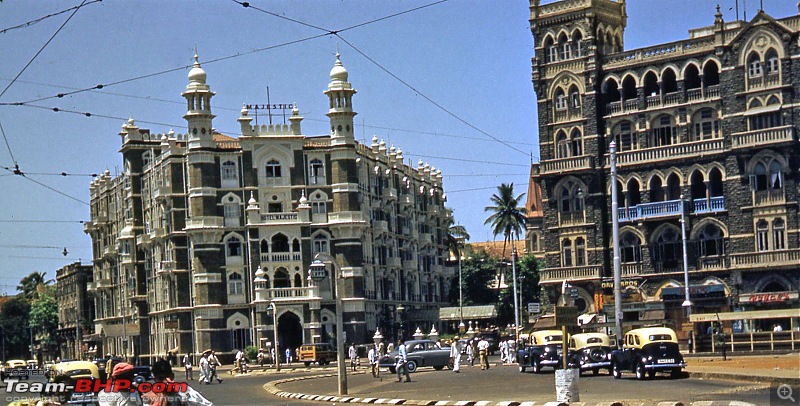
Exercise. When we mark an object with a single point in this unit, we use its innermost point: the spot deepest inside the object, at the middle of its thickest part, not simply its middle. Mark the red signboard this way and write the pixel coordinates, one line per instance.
(768, 297)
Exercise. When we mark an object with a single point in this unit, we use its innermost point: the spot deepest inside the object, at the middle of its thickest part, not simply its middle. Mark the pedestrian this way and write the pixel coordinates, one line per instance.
(402, 362)
(122, 372)
(260, 357)
(353, 356)
(381, 350)
(483, 353)
(372, 356)
(187, 365)
(288, 354)
(390, 347)
(512, 351)
(213, 363)
(471, 353)
(109, 366)
(273, 360)
(455, 354)
(205, 369)
(237, 359)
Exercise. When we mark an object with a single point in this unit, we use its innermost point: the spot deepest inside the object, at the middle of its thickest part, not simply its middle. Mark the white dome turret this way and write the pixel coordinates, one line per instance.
(338, 73)
(197, 75)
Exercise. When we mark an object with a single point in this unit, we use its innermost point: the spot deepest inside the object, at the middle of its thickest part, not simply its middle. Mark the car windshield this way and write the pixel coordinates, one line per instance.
(660, 337)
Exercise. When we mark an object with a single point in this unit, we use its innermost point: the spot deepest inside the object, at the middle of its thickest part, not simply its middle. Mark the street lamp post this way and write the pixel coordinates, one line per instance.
(687, 303)
(341, 370)
(400, 310)
(460, 296)
(514, 278)
(274, 309)
(615, 235)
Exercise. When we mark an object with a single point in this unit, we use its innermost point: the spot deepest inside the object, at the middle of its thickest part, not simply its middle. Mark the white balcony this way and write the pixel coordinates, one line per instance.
(567, 164)
(162, 192)
(380, 226)
(205, 222)
(766, 259)
(574, 273)
(301, 294)
(282, 257)
(763, 137)
(406, 199)
(390, 193)
(668, 152)
(410, 264)
(769, 197)
(425, 238)
(104, 284)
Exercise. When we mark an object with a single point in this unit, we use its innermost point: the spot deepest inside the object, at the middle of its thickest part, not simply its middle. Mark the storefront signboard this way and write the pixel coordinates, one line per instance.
(767, 297)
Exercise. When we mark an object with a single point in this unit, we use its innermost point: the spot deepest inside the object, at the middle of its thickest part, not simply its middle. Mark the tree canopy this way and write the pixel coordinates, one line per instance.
(507, 217)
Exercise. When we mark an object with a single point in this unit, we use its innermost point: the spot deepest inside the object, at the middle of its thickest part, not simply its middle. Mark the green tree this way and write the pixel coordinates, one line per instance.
(477, 270)
(507, 217)
(44, 313)
(14, 318)
(528, 285)
(29, 285)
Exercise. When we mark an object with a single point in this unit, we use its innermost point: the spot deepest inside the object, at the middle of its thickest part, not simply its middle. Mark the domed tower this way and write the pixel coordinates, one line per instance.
(198, 115)
(340, 96)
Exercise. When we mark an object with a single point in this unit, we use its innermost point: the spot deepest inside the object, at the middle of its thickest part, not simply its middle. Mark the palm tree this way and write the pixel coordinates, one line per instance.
(507, 218)
(29, 285)
(455, 238)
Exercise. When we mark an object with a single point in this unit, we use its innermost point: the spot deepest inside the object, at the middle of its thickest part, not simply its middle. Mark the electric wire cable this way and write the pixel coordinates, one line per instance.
(22, 175)
(36, 20)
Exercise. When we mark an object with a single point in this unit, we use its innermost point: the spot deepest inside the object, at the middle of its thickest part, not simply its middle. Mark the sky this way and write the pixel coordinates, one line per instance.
(448, 82)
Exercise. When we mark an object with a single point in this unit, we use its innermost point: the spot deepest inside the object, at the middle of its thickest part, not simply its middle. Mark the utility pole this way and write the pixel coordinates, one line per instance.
(615, 232)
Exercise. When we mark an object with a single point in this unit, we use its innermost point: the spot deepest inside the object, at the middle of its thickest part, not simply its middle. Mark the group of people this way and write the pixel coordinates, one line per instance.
(207, 365)
(162, 372)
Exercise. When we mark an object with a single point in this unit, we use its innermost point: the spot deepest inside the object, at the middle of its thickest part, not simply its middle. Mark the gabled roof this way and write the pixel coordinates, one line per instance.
(225, 142)
(495, 248)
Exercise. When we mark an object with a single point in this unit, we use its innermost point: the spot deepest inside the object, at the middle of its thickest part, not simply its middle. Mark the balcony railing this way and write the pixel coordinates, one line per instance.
(713, 204)
(104, 284)
(650, 210)
(425, 238)
(571, 273)
(571, 218)
(410, 264)
(763, 81)
(668, 152)
(631, 269)
(766, 136)
(380, 226)
(289, 293)
(568, 164)
(769, 197)
(710, 263)
(281, 257)
(205, 222)
(160, 192)
(766, 259)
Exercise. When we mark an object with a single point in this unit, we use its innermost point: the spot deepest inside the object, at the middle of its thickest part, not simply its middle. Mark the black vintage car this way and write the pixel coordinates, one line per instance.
(646, 351)
(590, 352)
(420, 353)
(542, 350)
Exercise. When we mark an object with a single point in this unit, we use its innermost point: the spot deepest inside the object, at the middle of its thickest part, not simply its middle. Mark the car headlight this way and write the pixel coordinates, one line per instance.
(546, 349)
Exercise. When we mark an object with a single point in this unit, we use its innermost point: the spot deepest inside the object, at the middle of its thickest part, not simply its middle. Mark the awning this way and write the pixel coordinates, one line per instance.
(762, 109)
(120, 330)
(470, 313)
(695, 292)
(751, 315)
(544, 323)
(422, 315)
(586, 318)
(652, 315)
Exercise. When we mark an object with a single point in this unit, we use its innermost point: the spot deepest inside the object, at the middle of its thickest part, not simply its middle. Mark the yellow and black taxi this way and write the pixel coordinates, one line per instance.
(15, 368)
(646, 351)
(590, 352)
(68, 373)
(543, 349)
(321, 353)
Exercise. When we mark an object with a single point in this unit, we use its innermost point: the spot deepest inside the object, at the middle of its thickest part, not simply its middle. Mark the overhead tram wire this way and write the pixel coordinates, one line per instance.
(465, 160)
(36, 20)
(52, 189)
(43, 221)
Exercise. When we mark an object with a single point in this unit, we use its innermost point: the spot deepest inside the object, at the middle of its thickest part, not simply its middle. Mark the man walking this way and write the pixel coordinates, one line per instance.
(187, 364)
(205, 370)
(402, 361)
(483, 353)
(372, 356)
(455, 354)
(353, 356)
(213, 363)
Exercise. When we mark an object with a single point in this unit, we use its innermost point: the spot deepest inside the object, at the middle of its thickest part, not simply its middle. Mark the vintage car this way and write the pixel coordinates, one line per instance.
(589, 352)
(543, 349)
(646, 351)
(321, 353)
(68, 373)
(421, 353)
(16, 368)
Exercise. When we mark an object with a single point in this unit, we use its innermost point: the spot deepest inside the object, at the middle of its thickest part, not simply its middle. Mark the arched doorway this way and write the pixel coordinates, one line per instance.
(290, 332)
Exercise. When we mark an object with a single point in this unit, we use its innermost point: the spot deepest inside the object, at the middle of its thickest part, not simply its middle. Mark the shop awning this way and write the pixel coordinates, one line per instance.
(751, 315)
(586, 318)
(470, 313)
(120, 330)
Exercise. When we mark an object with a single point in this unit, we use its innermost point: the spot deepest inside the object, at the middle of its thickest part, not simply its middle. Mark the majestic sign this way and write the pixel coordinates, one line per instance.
(768, 297)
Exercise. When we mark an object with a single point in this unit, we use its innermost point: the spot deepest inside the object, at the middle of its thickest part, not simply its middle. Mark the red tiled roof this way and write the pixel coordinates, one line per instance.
(495, 248)
(225, 142)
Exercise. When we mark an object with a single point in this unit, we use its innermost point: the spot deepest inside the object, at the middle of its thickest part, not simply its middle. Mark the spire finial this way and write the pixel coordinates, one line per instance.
(337, 51)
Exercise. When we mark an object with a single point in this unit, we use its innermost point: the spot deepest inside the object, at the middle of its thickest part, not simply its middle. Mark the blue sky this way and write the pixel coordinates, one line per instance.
(472, 58)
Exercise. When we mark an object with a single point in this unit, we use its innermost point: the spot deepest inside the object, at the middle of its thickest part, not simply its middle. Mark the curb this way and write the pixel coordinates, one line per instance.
(744, 378)
(272, 388)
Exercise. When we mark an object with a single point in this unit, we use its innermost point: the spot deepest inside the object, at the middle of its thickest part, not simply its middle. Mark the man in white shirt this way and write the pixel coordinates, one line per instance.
(372, 355)
(402, 361)
(353, 356)
(455, 354)
(483, 353)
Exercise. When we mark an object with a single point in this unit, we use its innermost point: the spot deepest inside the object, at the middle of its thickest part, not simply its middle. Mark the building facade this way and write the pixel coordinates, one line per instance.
(193, 220)
(705, 128)
(75, 311)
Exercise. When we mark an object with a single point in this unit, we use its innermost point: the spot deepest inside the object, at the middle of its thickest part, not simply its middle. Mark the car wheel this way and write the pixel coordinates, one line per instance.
(675, 373)
(412, 366)
(536, 367)
(616, 371)
(640, 372)
(392, 370)
(308, 364)
(521, 368)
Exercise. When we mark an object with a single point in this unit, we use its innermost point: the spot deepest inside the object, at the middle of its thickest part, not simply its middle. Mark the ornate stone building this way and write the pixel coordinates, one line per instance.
(75, 311)
(704, 127)
(180, 236)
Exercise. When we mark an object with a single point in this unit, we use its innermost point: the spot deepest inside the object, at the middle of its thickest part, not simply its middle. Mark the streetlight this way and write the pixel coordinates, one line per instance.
(514, 278)
(687, 303)
(274, 310)
(615, 235)
(319, 261)
(460, 297)
(260, 284)
(400, 310)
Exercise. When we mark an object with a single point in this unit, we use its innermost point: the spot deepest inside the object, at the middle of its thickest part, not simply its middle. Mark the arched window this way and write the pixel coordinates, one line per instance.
(651, 84)
(667, 251)
(565, 200)
(762, 233)
(758, 180)
(710, 241)
(611, 91)
(691, 77)
(280, 243)
(228, 170)
(715, 183)
(576, 143)
(565, 46)
(295, 245)
(319, 244)
(273, 169)
(711, 74)
(551, 49)
(562, 145)
(767, 119)
(706, 125)
(234, 247)
(778, 234)
(566, 253)
(663, 132)
(235, 284)
(656, 190)
(580, 251)
(231, 212)
(561, 99)
(754, 68)
(629, 87)
(316, 172)
(577, 46)
(264, 246)
(669, 81)
(282, 278)
(630, 248)
(298, 281)
(147, 157)
(634, 197)
(625, 138)
(773, 64)
(574, 97)
(775, 175)
(673, 187)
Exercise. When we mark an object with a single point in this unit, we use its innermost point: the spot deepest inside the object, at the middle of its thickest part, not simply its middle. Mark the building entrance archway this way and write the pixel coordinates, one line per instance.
(290, 332)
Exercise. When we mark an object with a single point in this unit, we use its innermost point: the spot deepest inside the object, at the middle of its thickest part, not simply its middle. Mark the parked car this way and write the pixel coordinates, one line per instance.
(421, 353)
(543, 349)
(101, 366)
(321, 353)
(590, 352)
(68, 373)
(16, 368)
(33, 365)
(646, 351)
